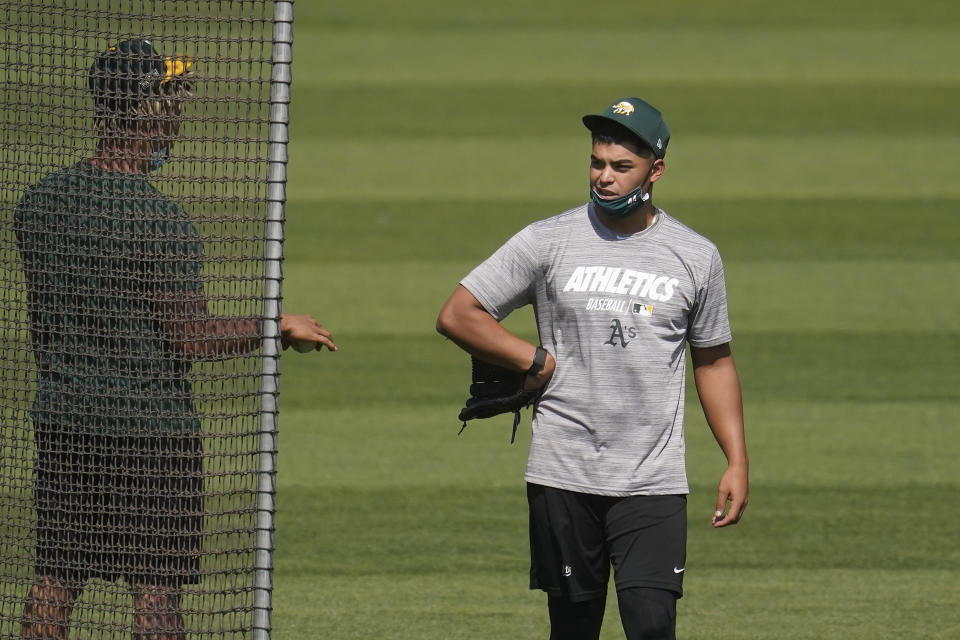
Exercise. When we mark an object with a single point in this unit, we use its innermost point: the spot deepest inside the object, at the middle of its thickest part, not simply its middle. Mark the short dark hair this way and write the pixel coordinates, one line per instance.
(613, 133)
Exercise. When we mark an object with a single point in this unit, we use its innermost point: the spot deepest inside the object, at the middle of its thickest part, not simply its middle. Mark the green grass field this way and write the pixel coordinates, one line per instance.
(816, 143)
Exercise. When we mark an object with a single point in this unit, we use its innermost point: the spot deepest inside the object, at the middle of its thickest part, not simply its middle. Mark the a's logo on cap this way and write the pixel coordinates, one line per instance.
(623, 108)
(659, 143)
(175, 67)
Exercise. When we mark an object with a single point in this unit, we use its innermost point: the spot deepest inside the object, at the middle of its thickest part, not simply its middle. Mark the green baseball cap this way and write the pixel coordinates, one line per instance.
(639, 118)
(132, 71)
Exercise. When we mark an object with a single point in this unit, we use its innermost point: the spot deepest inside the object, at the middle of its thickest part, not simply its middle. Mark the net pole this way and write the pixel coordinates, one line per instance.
(281, 59)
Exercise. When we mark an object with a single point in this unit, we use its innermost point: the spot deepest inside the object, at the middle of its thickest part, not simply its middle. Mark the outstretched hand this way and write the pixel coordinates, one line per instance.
(732, 495)
(304, 333)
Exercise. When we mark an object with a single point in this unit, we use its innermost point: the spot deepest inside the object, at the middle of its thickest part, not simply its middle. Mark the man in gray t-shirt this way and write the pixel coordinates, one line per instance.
(619, 288)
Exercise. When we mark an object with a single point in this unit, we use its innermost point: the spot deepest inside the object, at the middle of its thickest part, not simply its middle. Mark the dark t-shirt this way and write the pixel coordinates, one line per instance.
(99, 248)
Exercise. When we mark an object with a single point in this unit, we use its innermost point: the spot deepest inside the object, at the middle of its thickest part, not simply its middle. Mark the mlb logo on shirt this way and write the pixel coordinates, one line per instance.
(642, 309)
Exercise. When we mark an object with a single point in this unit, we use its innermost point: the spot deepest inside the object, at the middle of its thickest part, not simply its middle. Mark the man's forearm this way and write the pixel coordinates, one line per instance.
(475, 331)
(216, 337)
(718, 386)
(198, 335)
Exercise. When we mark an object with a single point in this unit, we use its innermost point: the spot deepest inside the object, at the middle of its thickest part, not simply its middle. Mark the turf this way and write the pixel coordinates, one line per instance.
(815, 143)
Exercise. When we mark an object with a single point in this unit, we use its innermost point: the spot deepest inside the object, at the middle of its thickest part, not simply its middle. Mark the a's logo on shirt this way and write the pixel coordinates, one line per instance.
(623, 108)
(567, 571)
(616, 335)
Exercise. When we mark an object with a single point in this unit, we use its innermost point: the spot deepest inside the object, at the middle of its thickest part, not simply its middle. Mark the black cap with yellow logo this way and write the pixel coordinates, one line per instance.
(126, 74)
(639, 118)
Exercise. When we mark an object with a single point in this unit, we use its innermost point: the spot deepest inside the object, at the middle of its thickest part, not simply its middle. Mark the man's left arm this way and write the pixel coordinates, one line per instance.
(198, 335)
(719, 389)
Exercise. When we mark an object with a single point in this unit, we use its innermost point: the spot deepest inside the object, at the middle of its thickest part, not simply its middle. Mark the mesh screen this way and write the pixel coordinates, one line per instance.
(132, 305)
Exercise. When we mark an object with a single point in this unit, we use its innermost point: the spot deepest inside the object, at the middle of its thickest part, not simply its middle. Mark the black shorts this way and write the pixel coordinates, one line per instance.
(575, 537)
(113, 506)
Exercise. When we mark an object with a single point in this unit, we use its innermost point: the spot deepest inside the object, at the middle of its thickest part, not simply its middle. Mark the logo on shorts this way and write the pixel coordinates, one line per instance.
(680, 570)
(567, 571)
(623, 108)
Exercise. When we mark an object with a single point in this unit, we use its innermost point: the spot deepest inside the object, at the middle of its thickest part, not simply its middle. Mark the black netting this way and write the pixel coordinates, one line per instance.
(134, 288)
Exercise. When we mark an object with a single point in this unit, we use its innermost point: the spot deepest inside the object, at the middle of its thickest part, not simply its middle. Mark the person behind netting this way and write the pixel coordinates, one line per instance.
(117, 316)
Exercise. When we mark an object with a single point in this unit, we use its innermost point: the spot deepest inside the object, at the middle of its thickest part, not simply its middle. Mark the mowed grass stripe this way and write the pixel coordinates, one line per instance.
(849, 366)
(393, 531)
(858, 297)
(811, 444)
(812, 604)
(377, 57)
(844, 297)
(830, 444)
(884, 109)
(742, 167)
(734, 604)
(373, 233)
(455, 606)
(499, 14)
(399, 445)
(376, 369)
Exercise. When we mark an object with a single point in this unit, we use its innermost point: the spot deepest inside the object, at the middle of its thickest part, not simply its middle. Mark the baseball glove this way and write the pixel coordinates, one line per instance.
(496, 390)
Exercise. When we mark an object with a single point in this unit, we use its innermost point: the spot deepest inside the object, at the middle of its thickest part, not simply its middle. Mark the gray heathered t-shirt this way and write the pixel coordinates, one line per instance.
(616, 313)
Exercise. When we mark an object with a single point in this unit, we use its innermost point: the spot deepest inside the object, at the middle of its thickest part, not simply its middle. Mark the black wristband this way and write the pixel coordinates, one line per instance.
(539, 360)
